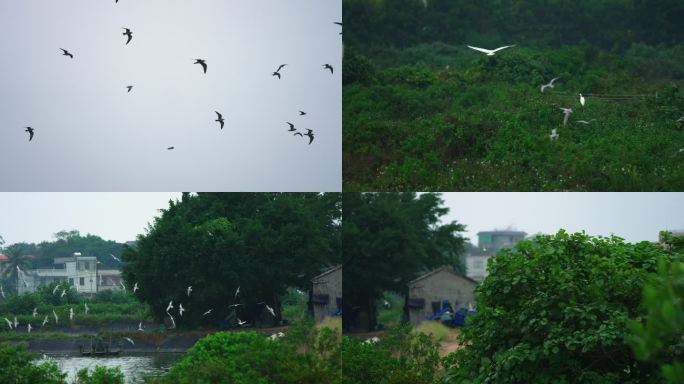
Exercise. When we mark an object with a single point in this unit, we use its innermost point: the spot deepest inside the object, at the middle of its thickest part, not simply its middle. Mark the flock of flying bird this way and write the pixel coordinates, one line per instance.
(203, 63)
(566, 111)
(14, 324)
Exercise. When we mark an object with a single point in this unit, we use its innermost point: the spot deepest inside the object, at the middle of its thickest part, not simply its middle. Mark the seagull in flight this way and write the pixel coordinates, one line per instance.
(35, 312)
(29, 327)
(338, 23)
(45, 320)
(566, 113)
(172, 320)
(2, 292)
(56, 317)
(140, 328)
(298, 133)
(9, 323)
(130, 88)
(170, 148)
(170, 306)
(66, 53)
(550, 84)
(236, 293)
(328, 66)
(490, 52)
(554, 134)
(207, 312)
(302, 113)
(129, 340)
(292, 128)
(71, 313)
(311, 136)
(220, 119)
(63, 292)
(115, 258)
(585, 121)
(129, 34)
(234, 305)
(581, 99)
(203, 63)
(240, 323)
(16, 323)
(135, 287)
(55, 289)
(270, 310)
(86, 308)
(277, 72)
(30, 132)
(181, 309)
(189, 290)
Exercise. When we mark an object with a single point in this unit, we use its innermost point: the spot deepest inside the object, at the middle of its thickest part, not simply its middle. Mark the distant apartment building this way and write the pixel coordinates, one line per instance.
(488, 244)
(79, 271)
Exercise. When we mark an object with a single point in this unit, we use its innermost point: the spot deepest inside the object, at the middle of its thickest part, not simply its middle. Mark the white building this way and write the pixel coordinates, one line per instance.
(79, 271)
(489, 243)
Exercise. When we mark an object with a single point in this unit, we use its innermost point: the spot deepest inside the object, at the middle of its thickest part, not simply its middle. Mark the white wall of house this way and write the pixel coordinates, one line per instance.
(476, 267)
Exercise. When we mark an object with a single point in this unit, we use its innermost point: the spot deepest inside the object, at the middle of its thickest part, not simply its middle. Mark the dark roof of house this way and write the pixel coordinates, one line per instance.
(331, 270)
(435, 271)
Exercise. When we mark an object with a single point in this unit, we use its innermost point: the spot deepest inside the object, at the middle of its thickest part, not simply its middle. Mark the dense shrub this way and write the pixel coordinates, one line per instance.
(251, 358)
(16, 367)
(100, 375)
(400, 357)
(557, 310)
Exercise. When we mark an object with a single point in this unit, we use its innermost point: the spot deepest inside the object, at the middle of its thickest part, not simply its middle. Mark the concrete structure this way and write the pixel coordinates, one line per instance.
(79, 271)
(327, 293)
(489, 243)
(676, 233)
(427, 292)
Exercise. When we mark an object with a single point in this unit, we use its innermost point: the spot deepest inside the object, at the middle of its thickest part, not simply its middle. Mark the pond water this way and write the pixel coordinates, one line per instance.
(135, 366)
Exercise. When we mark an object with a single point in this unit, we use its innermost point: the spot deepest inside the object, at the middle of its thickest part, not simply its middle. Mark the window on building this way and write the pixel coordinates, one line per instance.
(81, 281)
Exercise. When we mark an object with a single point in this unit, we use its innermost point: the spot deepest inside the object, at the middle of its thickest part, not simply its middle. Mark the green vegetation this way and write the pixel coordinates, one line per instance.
(16, 367)
(400, 357)
(100, 375)
(388, 239)
(423, 112)
(562, 303)
(217, 242)
(306, 355)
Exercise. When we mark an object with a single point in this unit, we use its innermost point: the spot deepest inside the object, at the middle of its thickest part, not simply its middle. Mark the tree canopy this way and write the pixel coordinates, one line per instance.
(391, 238)
(214, 242)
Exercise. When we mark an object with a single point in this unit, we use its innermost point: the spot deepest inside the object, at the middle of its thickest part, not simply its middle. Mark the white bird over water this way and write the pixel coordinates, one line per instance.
(189, 290)
(9, 323)
(35, 312)
(56, 317)
(181, 309)
(270, 310)
(207, 312)
(566, 112)
(490, 52)
(140, 328)
(45, 320)
(170, 306)
(581, 99)
(554, 134)
(550, 84)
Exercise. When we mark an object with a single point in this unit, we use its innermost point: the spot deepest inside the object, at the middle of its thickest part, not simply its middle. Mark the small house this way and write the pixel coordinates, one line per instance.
(427, 293)
(327, 293)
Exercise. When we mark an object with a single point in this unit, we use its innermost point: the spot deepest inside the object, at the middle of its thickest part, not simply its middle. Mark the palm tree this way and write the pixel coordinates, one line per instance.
(15, 258)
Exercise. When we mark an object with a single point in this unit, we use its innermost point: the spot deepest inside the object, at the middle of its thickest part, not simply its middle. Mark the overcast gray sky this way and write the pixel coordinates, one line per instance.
(35, 217)
(91, 135)
(632, 216)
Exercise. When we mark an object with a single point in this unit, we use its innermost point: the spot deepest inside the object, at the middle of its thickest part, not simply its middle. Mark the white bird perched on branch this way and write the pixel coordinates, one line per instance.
(566, 113)
(489, 52)
(550, 84)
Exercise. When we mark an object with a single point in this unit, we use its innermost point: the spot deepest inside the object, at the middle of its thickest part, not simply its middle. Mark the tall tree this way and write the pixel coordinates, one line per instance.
(388, 239)
(16, 258)
(217, 242)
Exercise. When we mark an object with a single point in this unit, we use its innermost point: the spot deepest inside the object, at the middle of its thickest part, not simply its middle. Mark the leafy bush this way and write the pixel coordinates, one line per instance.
(100, 375)
(557, 311)
(251, 358)
(661, 338)
(400, 357)
(16, 367)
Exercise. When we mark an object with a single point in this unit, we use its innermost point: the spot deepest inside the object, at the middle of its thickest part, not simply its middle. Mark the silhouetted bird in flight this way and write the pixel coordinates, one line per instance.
(292, 128)
(130, 87)
(328, 66)
(311, 135)
(203, 63)
(302, 113)
(277, 72)
(220, 119)
(66, 53)
(170, 148)
(298, 133)
(129, 34)
(30, 132)
(340, 24)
